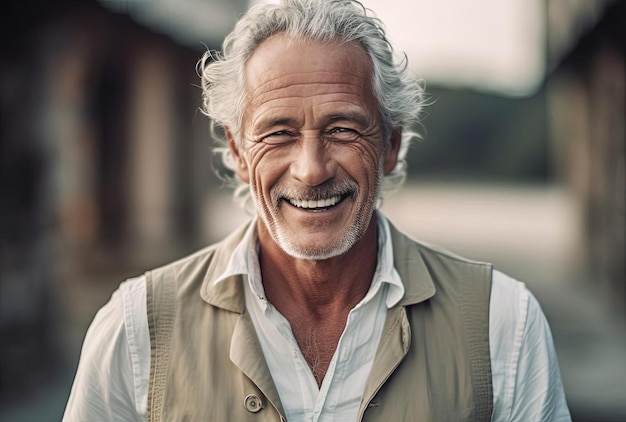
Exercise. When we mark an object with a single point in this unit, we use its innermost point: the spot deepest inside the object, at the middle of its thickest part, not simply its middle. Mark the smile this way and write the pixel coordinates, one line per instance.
(313, 203)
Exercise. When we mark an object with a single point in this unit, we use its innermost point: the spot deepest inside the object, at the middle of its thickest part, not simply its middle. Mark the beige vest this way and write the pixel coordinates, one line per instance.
(432, 362)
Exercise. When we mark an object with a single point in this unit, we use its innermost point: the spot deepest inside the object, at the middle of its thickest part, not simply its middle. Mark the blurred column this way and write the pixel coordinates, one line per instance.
(587, 105)
(152, 156)
(72, 144)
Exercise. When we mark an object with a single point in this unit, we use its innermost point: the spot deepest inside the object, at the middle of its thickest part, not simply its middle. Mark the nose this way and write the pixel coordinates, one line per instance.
(313, 165)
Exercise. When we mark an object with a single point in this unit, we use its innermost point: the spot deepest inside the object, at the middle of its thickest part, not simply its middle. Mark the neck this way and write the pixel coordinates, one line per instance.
(318, 287)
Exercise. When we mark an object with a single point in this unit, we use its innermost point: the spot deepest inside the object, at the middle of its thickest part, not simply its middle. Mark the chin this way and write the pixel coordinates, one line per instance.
(321, 253)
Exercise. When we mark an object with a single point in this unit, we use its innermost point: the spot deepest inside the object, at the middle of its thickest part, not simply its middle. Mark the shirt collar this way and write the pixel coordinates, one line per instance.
(244, 261)
(385, 270)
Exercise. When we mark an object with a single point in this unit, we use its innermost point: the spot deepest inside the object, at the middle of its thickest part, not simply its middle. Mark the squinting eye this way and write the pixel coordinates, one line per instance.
(282, 136)
(344, 134)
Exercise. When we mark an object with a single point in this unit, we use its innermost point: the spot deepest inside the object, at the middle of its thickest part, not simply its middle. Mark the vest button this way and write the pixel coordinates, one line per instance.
(253, 403)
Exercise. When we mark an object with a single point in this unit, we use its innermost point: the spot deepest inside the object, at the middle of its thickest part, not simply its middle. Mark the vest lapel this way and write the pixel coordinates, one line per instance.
(228, 294)
(247, 355)
(393, 347)
(413, 271)
(396, 338)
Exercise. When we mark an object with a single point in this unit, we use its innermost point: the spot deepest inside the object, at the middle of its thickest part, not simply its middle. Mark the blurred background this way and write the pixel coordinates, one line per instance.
(106, 168)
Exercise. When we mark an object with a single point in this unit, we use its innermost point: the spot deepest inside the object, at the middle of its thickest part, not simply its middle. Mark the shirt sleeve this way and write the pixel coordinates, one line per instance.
(104, 386)
(527, 382)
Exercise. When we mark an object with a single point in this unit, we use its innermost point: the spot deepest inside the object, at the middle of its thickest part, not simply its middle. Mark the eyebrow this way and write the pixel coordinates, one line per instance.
(264, 124)
(354, 116)
(345, 115)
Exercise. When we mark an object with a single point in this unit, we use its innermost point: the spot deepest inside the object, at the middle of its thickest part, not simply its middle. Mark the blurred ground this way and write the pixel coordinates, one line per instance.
(529, 232)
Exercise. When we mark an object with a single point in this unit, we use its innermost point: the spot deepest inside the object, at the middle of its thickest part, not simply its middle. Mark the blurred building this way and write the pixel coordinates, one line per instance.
(586, 89)
(105, 162)
(568, 131)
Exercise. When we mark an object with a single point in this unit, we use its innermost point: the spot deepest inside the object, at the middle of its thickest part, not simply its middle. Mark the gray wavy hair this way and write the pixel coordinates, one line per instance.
(400, 96)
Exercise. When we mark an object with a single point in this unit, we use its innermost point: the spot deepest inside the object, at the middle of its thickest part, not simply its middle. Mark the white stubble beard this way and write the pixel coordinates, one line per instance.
(346, 242)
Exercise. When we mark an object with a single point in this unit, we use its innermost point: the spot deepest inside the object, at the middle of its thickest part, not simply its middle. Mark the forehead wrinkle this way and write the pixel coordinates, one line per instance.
(292, 115)
(268, 75)
(302, 101)
(311, 91)
(333, 88)
(347, 98)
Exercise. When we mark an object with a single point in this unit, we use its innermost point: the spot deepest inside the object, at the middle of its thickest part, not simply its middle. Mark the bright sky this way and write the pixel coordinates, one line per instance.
(490, 45)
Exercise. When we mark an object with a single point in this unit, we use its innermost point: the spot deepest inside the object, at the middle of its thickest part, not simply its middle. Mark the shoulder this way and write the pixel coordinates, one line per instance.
(119, 327)
(509, 302)
(106, 379)
(525, 372)
(508, 309)
(515, 313)
(111, 320)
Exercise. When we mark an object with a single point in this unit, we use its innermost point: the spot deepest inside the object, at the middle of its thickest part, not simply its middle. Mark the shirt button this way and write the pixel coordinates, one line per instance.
(253, 403)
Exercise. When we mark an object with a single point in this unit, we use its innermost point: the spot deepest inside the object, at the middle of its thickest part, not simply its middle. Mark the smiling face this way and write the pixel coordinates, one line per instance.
(313, 148)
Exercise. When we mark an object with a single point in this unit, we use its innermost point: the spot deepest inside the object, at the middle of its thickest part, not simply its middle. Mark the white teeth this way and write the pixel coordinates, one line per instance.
(310, 203)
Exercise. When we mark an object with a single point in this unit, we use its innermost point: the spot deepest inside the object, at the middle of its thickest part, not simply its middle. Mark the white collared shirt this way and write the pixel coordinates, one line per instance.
(339, 396)
(112, 379)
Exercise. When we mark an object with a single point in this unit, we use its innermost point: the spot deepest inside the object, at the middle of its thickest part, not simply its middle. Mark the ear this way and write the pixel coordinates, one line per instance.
(241, 166)
(392, 150)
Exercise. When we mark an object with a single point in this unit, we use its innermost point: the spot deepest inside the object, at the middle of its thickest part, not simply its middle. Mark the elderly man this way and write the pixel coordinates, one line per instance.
(318, 309)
